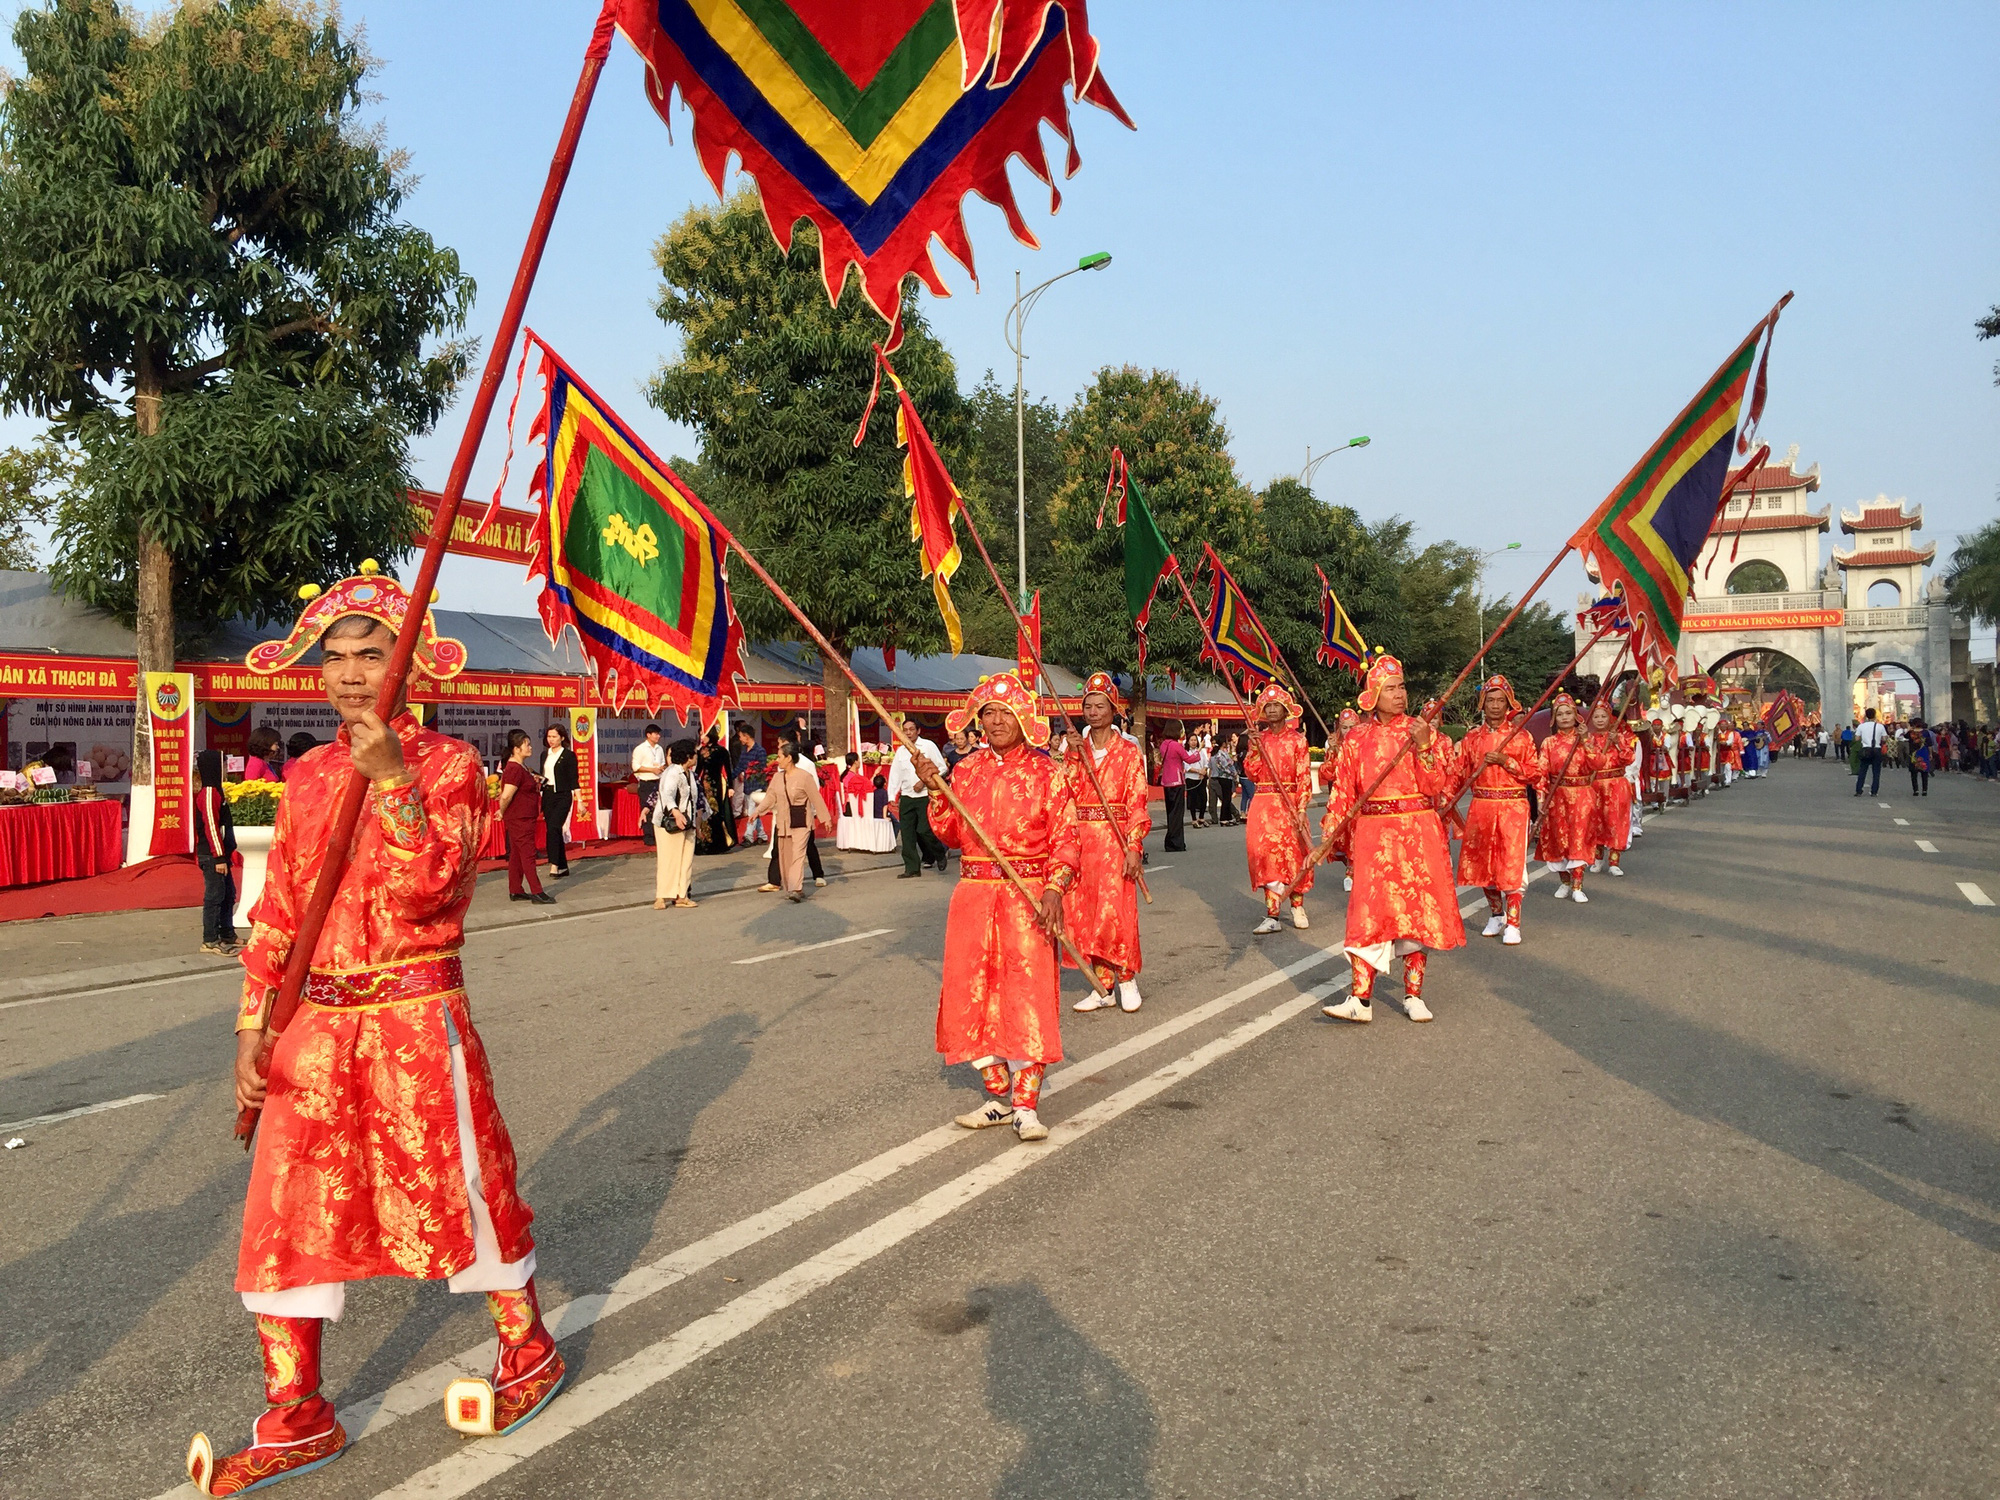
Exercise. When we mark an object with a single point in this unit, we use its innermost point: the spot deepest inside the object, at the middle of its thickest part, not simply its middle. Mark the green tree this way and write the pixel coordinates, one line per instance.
(775, 380)
(1973, 579)
(1177, 446)
(1989, 328)
(32, 479)
(204, 284)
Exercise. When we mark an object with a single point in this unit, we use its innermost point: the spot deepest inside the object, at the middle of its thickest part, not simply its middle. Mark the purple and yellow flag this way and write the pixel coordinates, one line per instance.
(633, 561)
(1643, 540)
(1235, 633)
(1340, 643)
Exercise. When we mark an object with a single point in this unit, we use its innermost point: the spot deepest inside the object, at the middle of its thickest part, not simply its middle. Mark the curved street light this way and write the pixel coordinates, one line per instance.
(1312, 464)
(1017, 319)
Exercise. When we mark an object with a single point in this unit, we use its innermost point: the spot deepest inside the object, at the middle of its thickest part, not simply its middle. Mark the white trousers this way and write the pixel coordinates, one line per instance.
(1378, 956)
(487, 1273)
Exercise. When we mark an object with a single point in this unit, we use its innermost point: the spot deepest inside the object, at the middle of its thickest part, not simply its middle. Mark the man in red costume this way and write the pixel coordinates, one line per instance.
(1101, 911)
(1611, 748)
(999, 1006)
(1404, 901)
(1275, 834)
(1342, 727)
(380, 1151)
(1567, 836)
(1499, 756)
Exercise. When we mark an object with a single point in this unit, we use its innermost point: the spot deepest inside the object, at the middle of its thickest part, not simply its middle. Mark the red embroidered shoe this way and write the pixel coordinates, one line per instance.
(526, 1376)
(296, 1434)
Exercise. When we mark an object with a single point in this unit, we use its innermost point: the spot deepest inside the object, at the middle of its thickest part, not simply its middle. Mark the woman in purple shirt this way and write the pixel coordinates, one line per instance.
(1173, 782)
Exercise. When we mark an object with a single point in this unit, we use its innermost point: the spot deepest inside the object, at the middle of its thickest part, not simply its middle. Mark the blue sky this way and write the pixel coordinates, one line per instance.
(1508, 242)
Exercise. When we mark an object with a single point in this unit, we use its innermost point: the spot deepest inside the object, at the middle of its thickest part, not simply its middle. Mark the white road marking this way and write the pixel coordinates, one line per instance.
(98, 1109)
(232, 972)
(1901, 822)
(1927, 846)
(476, 1463)
(1974, 894)
(1882, 804)
(852, 937)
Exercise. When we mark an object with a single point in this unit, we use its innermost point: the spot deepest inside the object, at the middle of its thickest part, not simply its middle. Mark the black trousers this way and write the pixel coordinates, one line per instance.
(1916, 772)
(920, 846)
(554, 815)
(1176, 809)
(1223, 794)
(218, 898)
(773, 876)
(648, 791)
(1197, 798)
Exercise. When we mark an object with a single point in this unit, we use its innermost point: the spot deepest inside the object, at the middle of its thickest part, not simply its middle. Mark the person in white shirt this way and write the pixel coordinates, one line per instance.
(649, 759)
(672, 819)
(906, 789)
(1872, 738)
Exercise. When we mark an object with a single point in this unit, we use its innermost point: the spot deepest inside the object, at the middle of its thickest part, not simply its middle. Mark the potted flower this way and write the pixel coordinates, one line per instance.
(253, 808)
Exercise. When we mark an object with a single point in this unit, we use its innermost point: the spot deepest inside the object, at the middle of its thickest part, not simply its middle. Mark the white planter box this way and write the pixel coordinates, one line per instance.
(254, 845)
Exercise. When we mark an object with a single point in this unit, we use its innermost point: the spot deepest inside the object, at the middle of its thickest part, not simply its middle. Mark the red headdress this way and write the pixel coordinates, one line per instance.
(1005, 689)
(1557, 702)
(374, 594)
(1500, 682)
(1105, 683)
(1347, 720)
(1384, 671)
(1274, 692)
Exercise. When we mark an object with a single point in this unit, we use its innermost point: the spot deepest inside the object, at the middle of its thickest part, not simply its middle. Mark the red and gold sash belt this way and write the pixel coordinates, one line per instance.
(386, 984)
(986, 869)
(1577, 780)
(1099, 815)
(1610, 775)
(1516, 793)
(1389, 807)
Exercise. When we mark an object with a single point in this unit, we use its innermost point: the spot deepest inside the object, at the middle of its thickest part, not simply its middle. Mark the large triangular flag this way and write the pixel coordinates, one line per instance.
(1148, 559)
(1238, 634)
(1340, 643)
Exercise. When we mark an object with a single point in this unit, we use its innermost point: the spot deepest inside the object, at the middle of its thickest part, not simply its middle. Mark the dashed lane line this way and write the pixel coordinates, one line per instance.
(1974, 894)
(1927, 846)
(1901, 822)
(852, 937)
(98, 1109)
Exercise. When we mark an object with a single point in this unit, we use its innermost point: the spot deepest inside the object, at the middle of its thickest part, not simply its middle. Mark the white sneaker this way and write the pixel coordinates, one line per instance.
(1578, 897)
(1512, 936)
(1299, 917)
(992, 1112)
(1028, 1127)
(1562, 892)
(1597, 867)
(1128, 995)
(1092, 1001)
(1269, 924)
(1350, 1009)
(1493, 925)
(1415, 1009)
(1617, 869)
(1347, 883)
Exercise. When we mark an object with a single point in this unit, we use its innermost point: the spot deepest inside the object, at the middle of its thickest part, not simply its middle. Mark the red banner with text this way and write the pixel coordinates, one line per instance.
(583, 740)
(170, 711)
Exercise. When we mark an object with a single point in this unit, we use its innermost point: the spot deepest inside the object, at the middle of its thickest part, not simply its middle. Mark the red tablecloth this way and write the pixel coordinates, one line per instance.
(495, 846)
(625, 820)
(60, 841)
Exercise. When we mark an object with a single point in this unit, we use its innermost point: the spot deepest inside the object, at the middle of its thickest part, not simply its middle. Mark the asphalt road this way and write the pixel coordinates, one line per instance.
(1695, 1193)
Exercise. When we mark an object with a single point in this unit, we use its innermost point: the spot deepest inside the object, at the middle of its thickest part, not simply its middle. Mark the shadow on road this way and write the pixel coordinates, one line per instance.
(1089, 1427)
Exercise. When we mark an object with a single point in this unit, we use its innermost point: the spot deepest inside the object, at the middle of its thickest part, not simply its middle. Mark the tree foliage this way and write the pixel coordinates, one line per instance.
(205, 285)
(32, 480)
(1989, 328)
(1973, 579)
(985, 475)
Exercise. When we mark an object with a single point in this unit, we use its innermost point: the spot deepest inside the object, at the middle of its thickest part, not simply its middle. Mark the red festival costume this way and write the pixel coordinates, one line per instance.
(999, 1004)
(1493, 854)
(1567, 839)
(1101, 911)
(1611, 753)
(381, 1150)
(1279, 762)
(1404, 899)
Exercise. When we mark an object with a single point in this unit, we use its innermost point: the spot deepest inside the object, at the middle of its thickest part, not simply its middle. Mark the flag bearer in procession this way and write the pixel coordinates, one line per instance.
(1404, 900)
(1729, 752)
(381, 1150)
(1501, 761)
(999, 1005)
(1610, 748)
(1274, 835)
(1567, 838)
(1101, 911)
(1343, 726)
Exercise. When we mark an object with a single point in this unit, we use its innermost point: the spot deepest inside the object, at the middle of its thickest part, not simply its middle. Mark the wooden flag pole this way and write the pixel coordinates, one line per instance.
(1325, 845)
(1035, 652)
(348, 814)
(1291, 676)
(1583, 728)
(828, 653)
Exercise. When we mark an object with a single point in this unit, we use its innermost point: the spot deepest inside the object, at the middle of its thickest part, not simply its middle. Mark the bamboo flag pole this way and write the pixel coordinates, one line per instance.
(1325, 846)
(828, 653)
(1035, 652)
(1251, 731)
(348, 814)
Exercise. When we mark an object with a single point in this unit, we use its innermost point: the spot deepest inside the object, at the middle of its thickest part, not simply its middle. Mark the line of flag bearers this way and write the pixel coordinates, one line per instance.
(382, 1151)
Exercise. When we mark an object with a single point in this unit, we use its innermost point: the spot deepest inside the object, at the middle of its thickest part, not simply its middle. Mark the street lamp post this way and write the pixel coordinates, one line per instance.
(1312, 464)
(1017, 318)
(1479, 602)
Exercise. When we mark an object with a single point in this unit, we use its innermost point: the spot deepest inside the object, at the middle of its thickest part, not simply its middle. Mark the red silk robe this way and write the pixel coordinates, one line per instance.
(1611, 753)
(1569, 800)
(1101, 911)
(1277, 759)
(1494, 852)
(1396, 844)
(357, 1170)
(1731, 749)
(1002, 989)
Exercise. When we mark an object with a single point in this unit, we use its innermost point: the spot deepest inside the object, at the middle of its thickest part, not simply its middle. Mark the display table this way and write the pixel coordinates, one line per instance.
(60, 841)
(626, 821)
(495, 846)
